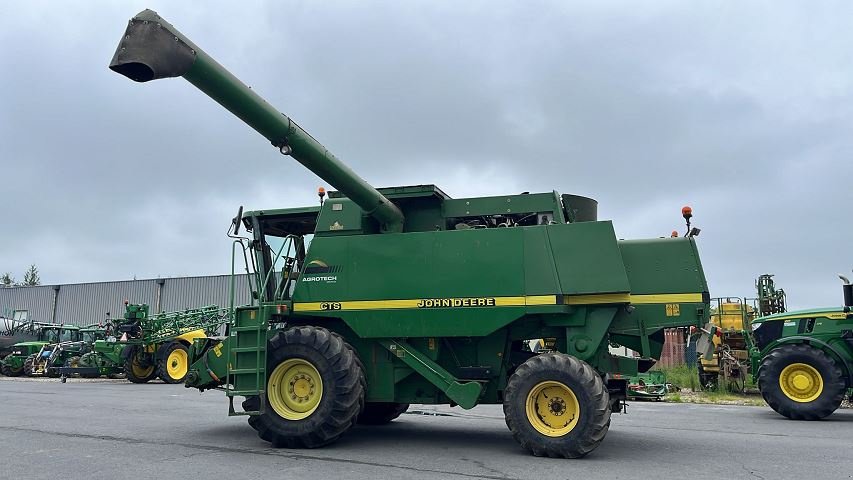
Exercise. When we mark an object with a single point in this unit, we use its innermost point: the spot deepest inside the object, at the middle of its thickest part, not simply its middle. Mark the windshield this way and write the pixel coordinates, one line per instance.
(89, 337)
(66, 335)
(51, 335)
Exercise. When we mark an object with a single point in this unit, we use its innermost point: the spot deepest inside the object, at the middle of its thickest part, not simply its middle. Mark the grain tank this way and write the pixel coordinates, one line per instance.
(407, 295)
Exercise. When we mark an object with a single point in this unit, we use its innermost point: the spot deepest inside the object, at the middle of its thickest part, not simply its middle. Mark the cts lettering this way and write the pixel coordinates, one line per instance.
(330, 306)
(455, 302)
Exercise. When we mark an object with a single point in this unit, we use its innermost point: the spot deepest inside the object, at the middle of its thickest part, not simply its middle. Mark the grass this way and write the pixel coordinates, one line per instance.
(688, 390)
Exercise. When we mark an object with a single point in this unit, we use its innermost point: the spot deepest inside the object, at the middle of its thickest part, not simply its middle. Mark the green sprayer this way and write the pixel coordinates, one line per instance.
(406, 295)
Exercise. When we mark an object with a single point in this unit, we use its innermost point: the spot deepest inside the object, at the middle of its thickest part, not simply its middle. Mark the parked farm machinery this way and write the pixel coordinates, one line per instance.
(729, 365)
(407, 295)
(145, 346)
(803, 360)
(19, 360)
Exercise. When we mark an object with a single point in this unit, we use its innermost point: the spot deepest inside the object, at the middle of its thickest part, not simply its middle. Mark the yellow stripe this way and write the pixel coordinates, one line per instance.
(797, 316)
(541, 300)
(519, 301)
(667, 298)
(597, 299)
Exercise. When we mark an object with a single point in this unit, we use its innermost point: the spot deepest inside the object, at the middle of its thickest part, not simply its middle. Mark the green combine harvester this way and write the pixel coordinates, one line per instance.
(803, 360)
(409, 296)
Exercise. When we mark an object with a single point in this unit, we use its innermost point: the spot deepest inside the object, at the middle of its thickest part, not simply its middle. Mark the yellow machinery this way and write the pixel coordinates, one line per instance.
(730, 359)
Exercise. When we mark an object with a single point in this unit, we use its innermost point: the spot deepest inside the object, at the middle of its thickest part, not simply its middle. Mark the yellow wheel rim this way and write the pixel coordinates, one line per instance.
(295, 389)
(801, 382)
(552, 409)
(141, 372)
(177, 363)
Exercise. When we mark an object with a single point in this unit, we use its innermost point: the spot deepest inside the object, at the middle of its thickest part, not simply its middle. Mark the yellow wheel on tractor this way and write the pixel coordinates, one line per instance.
(173, 362)
(557, 406)
(315, 389)
(801, 382)
(139, 365)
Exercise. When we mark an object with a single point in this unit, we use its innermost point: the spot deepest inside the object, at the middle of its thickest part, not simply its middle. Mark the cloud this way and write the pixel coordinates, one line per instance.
(742, 111)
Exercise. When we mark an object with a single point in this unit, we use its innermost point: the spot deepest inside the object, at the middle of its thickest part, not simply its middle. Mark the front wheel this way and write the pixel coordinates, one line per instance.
(30, 365)
(557, 406)
(801, 382)
(315, 389)
(173, 362)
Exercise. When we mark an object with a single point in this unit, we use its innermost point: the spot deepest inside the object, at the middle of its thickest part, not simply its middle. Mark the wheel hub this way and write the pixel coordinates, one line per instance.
(801, 382)
(552, 408)
(295, 389)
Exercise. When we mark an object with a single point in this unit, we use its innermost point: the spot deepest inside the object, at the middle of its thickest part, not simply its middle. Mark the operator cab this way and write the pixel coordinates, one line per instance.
(277, 248)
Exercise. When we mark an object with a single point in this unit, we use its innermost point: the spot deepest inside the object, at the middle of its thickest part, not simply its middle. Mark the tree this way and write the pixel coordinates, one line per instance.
(31, 277)
(7, 280)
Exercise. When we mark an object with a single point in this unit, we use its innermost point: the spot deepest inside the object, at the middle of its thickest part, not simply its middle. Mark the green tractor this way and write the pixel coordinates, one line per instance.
(52, 356)
(803, 360)
(405, 295)
(18, 362)
(88, 362)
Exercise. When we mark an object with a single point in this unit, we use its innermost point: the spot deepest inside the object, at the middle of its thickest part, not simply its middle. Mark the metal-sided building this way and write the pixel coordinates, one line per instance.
(88, 303)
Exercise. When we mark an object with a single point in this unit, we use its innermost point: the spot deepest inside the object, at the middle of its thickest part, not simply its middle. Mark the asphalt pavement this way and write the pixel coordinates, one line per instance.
(118, 430)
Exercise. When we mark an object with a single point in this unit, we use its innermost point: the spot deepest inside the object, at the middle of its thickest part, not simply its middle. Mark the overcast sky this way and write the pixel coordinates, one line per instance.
(742, 111)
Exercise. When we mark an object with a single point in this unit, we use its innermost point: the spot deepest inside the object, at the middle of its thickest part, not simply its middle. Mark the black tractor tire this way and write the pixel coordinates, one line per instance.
(831, 376)
(88, 360)
(136, 373)
(342, 389)
(9, 371)
(562, 371)
(363, 377)
(173, 362)
(29, 362)
(381, 413)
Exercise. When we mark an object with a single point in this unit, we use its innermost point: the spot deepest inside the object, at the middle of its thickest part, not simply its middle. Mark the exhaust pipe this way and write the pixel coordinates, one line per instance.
(848, 292)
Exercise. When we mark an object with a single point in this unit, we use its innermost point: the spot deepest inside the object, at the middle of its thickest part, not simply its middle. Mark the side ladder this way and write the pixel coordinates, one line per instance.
(247, 354)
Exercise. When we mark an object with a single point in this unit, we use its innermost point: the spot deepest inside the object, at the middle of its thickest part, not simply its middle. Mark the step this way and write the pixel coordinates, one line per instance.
(246, 371)
(247, 349)
(243, 393)
(252, 328)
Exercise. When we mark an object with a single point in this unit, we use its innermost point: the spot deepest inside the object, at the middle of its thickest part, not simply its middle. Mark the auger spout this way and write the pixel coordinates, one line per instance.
(152, 48)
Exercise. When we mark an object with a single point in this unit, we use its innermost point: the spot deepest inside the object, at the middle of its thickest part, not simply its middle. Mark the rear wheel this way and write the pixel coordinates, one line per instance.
(173, 362)
(381, 413)
(138, 367)
(7, 369)
(315, 389)
(557, 406)
(801, 382)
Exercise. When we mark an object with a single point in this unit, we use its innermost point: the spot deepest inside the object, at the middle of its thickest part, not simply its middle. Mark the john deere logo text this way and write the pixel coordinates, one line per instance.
(455, 302)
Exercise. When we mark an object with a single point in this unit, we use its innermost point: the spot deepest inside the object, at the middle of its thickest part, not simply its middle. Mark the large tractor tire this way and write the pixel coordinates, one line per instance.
(557, 406)
(138, 368)
(381, 413)
(801, 382)
(173, 362)
(315, 389)
(29, 363)
(10, 371)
